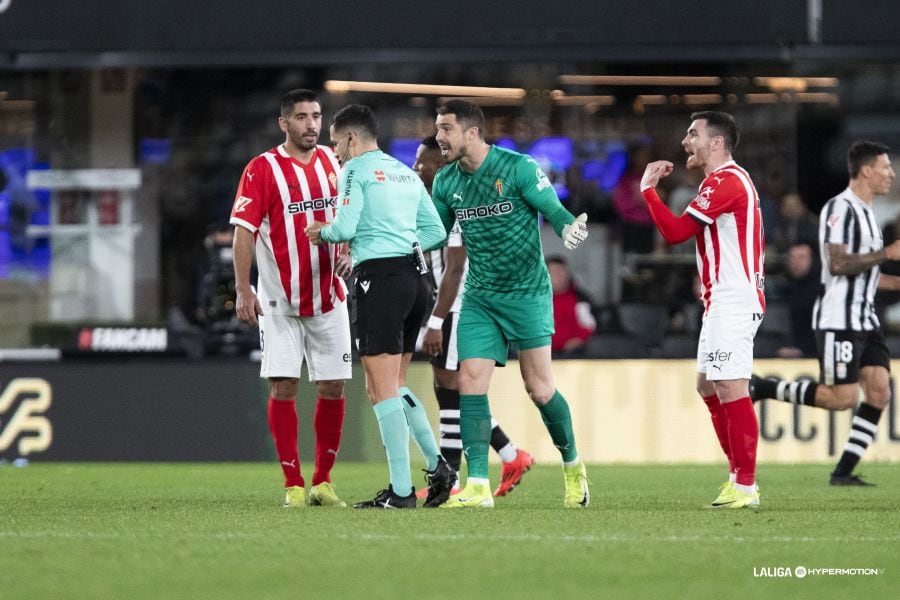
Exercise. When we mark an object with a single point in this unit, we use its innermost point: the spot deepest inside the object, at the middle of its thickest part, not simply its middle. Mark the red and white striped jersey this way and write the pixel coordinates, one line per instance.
(276, 199)
(731, 248)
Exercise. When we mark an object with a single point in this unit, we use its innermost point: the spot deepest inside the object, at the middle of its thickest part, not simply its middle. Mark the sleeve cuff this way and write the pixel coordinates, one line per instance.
(243, 223)
(697, 215)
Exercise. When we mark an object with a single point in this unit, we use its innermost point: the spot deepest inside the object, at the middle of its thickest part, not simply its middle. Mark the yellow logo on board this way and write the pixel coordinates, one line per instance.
(27, 424)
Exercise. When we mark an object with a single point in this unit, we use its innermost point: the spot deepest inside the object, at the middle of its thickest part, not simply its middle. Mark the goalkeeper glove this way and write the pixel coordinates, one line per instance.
(573, 235)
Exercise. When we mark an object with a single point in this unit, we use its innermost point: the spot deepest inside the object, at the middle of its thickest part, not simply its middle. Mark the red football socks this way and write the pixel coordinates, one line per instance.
(720, 424)
(743, 434)
(328, 423)
(283, 425)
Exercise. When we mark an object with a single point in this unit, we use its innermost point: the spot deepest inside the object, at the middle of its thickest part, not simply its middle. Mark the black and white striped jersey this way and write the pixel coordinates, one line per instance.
(847, 302)
(439, 265)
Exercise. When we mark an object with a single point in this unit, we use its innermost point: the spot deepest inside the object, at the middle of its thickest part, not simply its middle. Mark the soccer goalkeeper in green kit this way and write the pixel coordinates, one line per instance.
(496, 195)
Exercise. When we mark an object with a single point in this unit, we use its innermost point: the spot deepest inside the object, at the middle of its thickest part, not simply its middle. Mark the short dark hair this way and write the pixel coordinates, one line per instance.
(430, 143)
(722, 124)
(861, 153)
(358, 117)
(293, 97)
(468, 114)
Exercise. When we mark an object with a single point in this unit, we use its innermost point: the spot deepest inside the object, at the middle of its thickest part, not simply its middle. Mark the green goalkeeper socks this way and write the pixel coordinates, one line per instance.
(395, 437)
(419, 427)
(475, 431)
(558, 422)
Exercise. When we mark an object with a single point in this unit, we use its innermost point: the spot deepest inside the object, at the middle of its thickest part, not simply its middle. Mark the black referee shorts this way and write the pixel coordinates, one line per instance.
(391, 301)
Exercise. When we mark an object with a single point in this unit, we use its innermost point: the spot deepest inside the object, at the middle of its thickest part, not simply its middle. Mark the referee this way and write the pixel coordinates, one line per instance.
(383, 210)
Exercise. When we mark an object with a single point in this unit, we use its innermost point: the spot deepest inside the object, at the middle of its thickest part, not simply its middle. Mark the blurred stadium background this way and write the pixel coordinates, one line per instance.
(124, 127)
(123, 130)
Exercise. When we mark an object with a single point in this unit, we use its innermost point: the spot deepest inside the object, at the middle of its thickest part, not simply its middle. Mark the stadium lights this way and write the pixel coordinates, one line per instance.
(803, 97)
(701, 98)
(484, 100)
(767, 98)
(816, 97)
(646, 99)
(776, 84)
(639, 80)
(564, 100)
(19, 104)
(335, 86)
(795, 84)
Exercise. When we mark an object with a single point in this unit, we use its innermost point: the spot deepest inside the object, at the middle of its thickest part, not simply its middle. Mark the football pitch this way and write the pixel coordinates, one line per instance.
(218, 531)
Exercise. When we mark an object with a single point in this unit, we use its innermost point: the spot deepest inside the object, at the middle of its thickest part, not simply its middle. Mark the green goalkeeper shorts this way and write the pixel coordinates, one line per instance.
(488, 325)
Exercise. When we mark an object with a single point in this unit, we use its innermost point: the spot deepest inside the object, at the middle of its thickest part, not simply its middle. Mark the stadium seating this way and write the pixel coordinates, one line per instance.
(774, 332)
(646, 322)
(677, 346)
(615, 346)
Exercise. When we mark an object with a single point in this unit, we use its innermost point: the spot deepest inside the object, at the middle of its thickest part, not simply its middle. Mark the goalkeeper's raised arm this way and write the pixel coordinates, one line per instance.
(539, 193)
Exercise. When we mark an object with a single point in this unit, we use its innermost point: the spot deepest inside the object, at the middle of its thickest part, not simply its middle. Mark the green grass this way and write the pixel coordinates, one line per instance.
(218, 531)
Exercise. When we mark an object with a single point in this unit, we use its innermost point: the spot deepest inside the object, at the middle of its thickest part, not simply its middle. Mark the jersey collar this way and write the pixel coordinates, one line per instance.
(728, 163)
(487, 159)
(856, 198)
(282, 152)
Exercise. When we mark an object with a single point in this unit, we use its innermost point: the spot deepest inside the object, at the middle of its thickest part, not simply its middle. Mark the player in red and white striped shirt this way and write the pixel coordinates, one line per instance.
(301, 299)
(726, 221)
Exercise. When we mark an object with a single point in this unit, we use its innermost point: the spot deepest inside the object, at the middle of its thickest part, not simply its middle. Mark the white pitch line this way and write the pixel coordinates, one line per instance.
(450, 537)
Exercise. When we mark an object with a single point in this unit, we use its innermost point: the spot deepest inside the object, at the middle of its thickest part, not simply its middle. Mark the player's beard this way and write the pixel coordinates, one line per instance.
(697, 160)
(301, 141)
(451, 154)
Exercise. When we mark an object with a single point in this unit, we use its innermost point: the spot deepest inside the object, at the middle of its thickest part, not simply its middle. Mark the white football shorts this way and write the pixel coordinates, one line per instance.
(322, 341)
(725, 348)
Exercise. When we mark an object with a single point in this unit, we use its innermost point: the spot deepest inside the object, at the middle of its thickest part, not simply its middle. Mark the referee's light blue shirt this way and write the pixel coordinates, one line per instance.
(383, 208)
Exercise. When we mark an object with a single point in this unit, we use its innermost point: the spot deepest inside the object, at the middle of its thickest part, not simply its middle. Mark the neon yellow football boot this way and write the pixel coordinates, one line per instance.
(577, 493)
(323, 494)
(294, 497)
(745, 500)
(474, 495)
(725, 497)
(731, 497)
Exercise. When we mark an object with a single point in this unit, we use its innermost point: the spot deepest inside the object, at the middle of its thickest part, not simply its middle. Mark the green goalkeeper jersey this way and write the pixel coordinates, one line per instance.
(497, 208)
